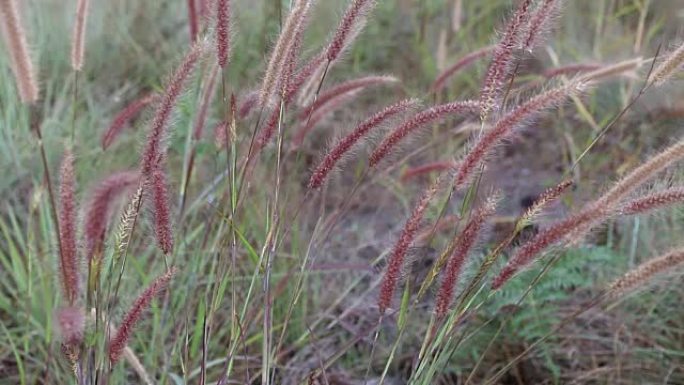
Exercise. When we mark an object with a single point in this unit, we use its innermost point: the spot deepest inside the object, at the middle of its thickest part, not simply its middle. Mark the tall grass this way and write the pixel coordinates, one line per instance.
(274, 269)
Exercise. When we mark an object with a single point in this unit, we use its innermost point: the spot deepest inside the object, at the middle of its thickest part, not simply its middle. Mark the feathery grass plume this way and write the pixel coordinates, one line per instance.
(99, 208)
(307, 125)
(223, 45)
(418, 120)
(209, 88)
(78, 36)
(118, 342)
(70, 324)
(464, 244)
(502, 61)
(669, 66)
(336, 152)
(247, 104)
(67, 228)
(123, 233)
(508, 124)
(162, 213)
(577, 224)
(124, 116)
(15, 40)
(653, 201)
(643, 174)
(269, 129)
(645, 271)
(350, 25)
(302, 76)
(545, 238)
(570, 69)
(465, 61)
(400, 249)
(295, 21)
(547, 197)
(343, 88)
(192, 20)
(539, 23)
(153, 151)
(615, 69)
(414, 172)
(220, 134)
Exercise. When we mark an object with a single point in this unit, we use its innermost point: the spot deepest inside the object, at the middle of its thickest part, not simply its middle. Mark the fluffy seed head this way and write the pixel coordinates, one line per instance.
(78, 36)
(67, 228)
(420, 119)
(653, 201)
(462, 63)
(669, 66)
(124, 116)
(118, 342)
(336, 152)
(15, 41)
(645, 271)
(223, 31)
(539, 23)
(464, 244)
(547, 197)
(162, 213)
(153, 149)
(351, 23)
(502, 61)
(398, 254)
(98, 210)
(642, 174)
(295, 21)
(507, 125)
(70, 325)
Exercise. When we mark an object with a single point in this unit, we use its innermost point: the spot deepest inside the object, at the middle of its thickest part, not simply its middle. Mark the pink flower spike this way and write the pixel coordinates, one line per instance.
(118, 342)
(162, 213)
(321, 172)
(223, 11)
(99, 208)
(464, 244)
(420, 119)
(153, 149)
(67, 228)
(124, 116)
(400, 249)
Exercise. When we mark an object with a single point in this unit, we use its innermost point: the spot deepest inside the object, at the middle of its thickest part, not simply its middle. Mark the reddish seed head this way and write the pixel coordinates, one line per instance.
(162, 213)
(653, 201)
(329, 95)
(539, 23)
(78, 37)
(118, 342)
(67, 228)
(502, 61)
(223, 31)
(545, 238)
(464, 62)
(464, 244)
(421, 119)
(70, 325)
(400, 249)
(153, 150)
(506, 126)
(349, 25)
(324, 168)
(98, 210)
(15, 41)
(124, 116)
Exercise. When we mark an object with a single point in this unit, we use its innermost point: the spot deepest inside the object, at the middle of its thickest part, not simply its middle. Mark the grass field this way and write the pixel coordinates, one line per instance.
(341, 192)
